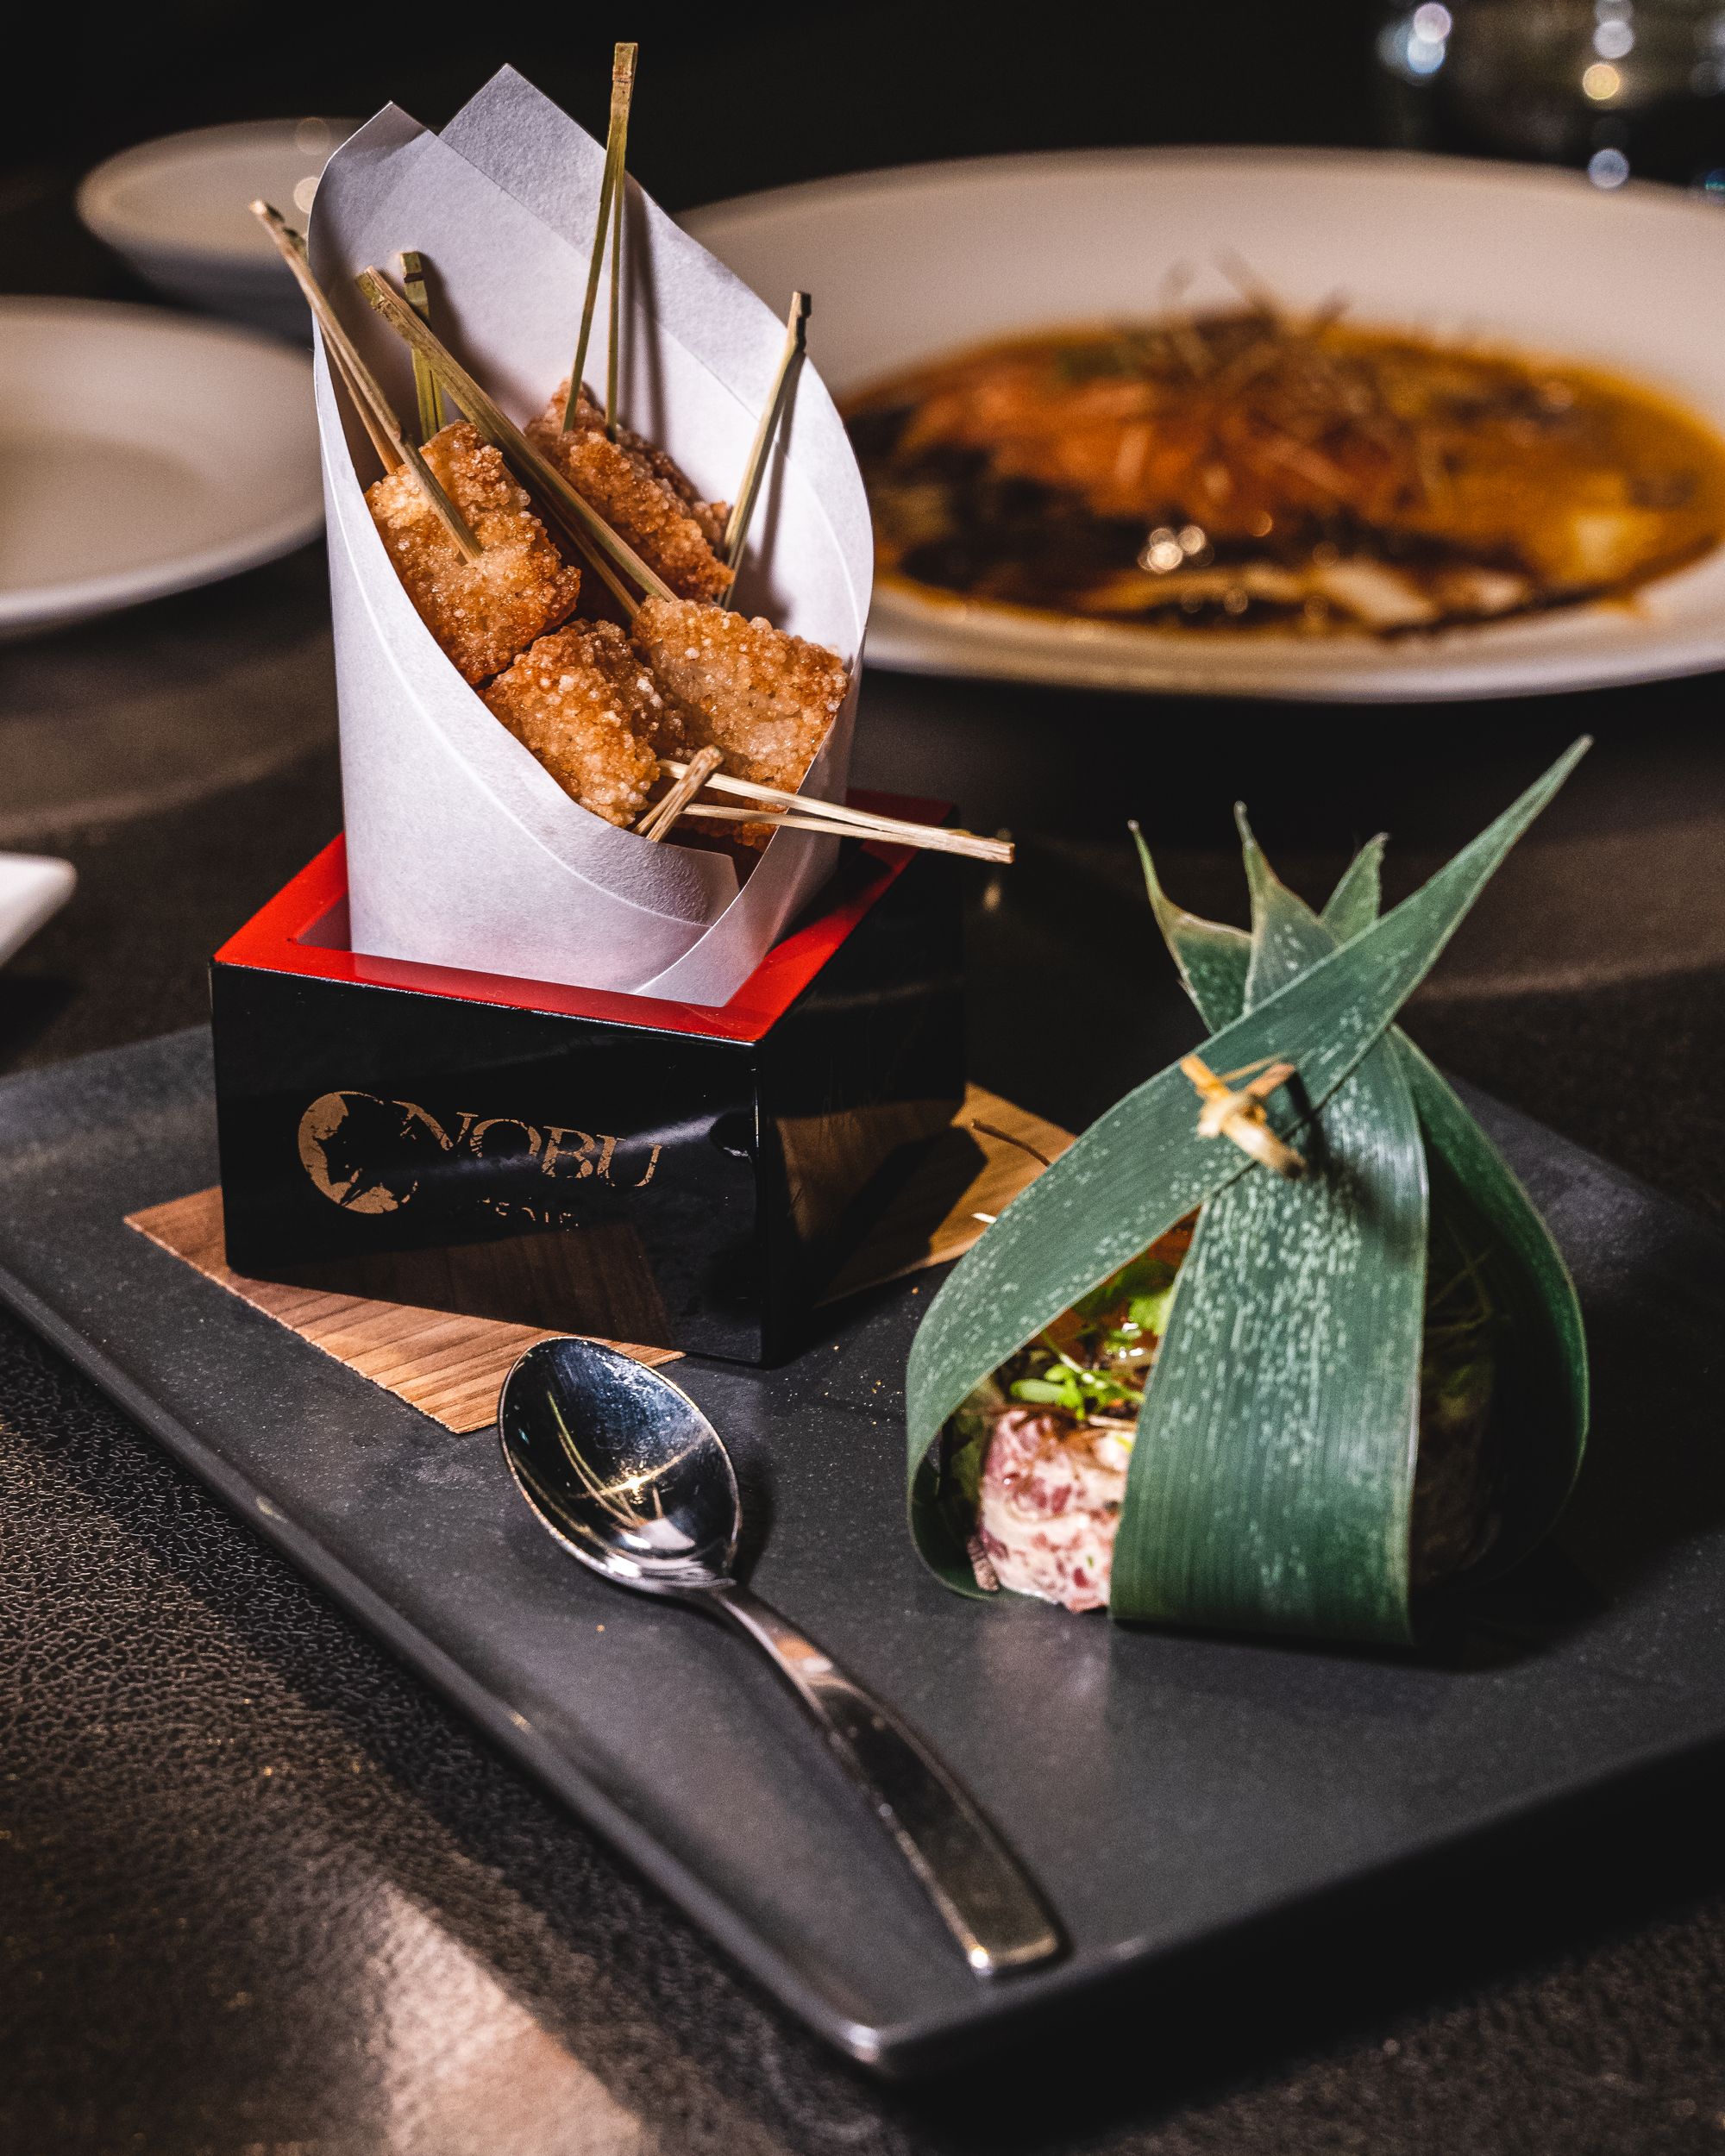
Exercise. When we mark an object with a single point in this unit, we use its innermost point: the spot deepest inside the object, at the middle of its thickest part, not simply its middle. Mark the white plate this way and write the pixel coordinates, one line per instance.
(905, 266)
(177, 210)
(143, 453)
(33, 889)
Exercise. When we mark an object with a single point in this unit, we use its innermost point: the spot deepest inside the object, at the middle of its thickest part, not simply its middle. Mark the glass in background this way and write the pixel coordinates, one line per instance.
(1616, 87)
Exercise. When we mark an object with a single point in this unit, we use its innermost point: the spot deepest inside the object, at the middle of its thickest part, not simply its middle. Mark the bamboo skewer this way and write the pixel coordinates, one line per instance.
(591, 553)
(782, 820)
(424, 381)
(596, 539)
(619, 196)
(796, 343)
(665, 812)
(582, 522)
(813, 816)
(380, 441)
(622, 89)
(359, 374)
(862, 822)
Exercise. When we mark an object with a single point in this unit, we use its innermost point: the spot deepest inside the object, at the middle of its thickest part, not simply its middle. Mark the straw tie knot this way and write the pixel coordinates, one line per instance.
(1240, 1117)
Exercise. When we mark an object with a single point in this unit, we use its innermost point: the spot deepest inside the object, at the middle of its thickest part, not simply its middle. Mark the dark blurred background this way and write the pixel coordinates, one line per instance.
(744, 97)
(750, 97)
(731, 98)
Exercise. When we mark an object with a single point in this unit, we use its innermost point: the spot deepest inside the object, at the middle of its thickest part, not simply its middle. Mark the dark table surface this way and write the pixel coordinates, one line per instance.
(260, 1891)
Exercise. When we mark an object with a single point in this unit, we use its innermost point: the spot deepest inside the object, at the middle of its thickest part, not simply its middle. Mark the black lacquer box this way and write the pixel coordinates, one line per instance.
(664, 1173)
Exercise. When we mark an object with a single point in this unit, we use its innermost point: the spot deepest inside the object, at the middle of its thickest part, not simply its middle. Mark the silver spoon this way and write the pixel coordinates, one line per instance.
(630, 1477)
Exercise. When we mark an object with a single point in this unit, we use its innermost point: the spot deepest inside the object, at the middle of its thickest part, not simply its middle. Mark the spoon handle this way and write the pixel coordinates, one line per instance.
(982, 1893)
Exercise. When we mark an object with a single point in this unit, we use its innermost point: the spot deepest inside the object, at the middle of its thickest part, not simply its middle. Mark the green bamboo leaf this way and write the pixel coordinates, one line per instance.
(1213, 958)
(1142, 1167)
(1203, 950)
(1544, 1390)
(1271, 1483)
(1354, 903)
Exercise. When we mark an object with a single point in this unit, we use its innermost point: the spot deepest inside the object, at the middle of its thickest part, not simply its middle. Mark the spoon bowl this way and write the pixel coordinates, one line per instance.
(622, 1467)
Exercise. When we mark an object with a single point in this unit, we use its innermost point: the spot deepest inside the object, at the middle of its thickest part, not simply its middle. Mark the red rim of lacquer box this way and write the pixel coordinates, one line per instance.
(302, 930)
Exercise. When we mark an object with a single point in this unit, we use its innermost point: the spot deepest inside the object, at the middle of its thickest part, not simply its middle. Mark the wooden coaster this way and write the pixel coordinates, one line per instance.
(451, 1368)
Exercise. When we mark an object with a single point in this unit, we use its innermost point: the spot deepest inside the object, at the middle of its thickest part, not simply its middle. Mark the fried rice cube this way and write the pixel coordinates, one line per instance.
(763, 699)
(581, 701)
(482, 612)
(639, 493)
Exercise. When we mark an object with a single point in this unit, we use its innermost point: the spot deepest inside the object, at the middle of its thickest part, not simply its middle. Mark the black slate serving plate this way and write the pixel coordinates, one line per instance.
(1166, 1788)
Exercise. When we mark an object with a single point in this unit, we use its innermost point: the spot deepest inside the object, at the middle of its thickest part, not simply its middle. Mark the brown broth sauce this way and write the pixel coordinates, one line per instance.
(1238, 472)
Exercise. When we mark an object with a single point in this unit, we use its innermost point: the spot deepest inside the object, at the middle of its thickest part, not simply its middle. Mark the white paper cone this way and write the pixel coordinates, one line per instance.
(461, 849)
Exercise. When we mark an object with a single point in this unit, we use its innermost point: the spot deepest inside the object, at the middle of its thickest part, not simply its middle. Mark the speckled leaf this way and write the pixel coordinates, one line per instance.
(1544, 1383)
(1354, 902)
(1212, 959)
(1142, 1167)
(1271, 1483)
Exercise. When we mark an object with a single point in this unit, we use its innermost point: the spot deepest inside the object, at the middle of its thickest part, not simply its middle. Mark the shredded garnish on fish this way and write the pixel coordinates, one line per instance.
(1253, 469)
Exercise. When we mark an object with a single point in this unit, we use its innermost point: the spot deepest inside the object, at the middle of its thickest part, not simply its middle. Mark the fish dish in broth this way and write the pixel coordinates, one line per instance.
(1245, 471)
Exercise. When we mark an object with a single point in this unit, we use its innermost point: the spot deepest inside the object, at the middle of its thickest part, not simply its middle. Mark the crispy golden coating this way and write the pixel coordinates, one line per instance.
(481, 612)
(581, 701)
(764, 698)
(639, 493)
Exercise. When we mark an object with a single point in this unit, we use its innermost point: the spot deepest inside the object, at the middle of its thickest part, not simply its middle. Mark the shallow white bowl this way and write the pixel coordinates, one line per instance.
(177, 210)
(143, 453)
(904, 266)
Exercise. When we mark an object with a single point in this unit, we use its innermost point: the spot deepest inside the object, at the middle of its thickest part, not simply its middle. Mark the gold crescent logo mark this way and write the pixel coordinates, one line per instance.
(367, 1155)
(324, 1153)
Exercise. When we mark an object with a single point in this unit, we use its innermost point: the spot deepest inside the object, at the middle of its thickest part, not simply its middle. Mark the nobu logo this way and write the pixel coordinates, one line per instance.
(367, 1155)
